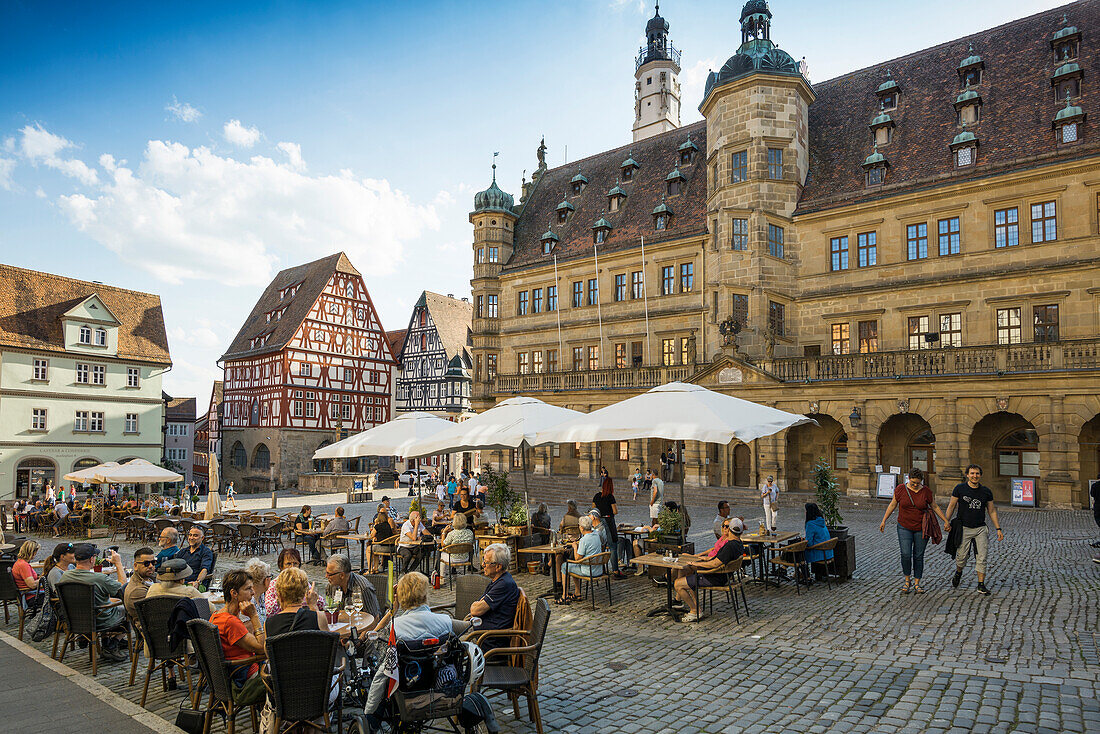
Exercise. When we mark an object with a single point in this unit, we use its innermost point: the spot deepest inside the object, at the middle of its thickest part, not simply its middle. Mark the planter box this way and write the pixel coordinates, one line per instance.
(98, 532)
(845, 555)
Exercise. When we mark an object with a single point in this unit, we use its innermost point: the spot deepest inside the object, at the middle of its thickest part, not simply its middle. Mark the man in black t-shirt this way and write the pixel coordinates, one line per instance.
(973, 499)
(1094, 492)
(729, 549)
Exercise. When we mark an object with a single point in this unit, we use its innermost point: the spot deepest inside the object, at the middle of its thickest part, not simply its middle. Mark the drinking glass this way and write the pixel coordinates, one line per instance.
(357, 601)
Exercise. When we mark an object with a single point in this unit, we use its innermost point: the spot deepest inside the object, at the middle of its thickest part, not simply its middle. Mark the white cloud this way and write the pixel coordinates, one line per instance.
(293, 153)
(7, 165)
(40, 192)
(41, 146)
(183, 111)
(190, 214)
(239, 135)
(693, 82)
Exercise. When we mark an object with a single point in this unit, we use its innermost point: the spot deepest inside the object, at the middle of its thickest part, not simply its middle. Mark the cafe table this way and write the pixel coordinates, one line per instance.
(769, 543)
(362, 548)
(547, 549)
(668, 563)
(345, 622)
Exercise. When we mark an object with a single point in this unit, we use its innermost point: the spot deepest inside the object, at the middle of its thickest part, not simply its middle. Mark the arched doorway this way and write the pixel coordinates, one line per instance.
(32, 475)
(1088, 447)
(907, 440)
(742, 465)
(238, 455)
(1005, 445)
(808, 443)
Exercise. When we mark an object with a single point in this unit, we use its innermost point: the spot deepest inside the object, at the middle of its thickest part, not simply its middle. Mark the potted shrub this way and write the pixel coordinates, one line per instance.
(827, 494)
(515, 522)
(499, 495)
(671, 523)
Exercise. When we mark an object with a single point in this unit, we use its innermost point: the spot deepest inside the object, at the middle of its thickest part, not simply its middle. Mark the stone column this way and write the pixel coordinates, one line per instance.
(587, 461)
(861, 460)
(542, 460)
(951, 449)
(695, 470)
(1057, 456)
(636, 453)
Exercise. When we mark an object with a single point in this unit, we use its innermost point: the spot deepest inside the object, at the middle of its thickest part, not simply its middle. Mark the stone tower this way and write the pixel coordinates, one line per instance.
(756, 109)
(494, 222)
(656, 86)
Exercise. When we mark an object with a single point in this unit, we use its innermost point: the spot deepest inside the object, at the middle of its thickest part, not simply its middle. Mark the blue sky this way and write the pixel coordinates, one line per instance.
(193, 149)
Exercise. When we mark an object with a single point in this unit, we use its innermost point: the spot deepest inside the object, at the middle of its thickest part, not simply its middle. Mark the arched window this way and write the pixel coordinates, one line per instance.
(240, 458)
(32, 475)
(261, 457)
(1018, 454)
(85, 463)
(840, 451)
(922, 452)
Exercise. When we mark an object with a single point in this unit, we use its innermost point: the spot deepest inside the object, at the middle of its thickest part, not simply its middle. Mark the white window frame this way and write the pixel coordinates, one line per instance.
(80, 421)
(101, 337)
(133, 377)
(38, 419)
(95, 422)
(41, 370)
(131, 423)
(99, 374)
(83, 371)
(85, 335)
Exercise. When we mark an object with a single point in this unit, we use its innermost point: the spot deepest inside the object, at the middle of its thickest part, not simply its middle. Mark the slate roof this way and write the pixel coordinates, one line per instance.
(453, 318)
(314, 277)
(1014, 131)
(657, 157)
(180, 409)
(32, 303)
(396, 340)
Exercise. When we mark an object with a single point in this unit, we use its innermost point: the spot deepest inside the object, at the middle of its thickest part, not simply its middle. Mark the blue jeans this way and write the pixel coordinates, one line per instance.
(912, 552)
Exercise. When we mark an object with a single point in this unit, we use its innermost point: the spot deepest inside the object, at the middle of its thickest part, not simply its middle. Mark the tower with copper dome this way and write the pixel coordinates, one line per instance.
(656, 81)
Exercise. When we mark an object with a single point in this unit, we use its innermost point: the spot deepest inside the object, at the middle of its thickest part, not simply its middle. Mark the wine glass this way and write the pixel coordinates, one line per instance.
(357, 601)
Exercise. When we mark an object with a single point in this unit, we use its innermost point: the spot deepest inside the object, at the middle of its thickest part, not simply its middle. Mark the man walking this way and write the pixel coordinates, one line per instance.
(656, 495)
(769, 495)
(973, 499)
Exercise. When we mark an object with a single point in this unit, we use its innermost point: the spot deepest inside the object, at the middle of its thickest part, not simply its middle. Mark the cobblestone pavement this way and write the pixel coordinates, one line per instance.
(857, 658)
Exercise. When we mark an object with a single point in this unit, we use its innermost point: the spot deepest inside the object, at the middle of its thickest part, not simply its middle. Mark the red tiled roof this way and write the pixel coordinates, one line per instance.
(396, 340)
(657, 157)
(1014, 130)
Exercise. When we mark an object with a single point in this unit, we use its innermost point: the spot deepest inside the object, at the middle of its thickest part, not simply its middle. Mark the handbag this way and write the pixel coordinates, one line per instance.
(930, 524)
(191, 721)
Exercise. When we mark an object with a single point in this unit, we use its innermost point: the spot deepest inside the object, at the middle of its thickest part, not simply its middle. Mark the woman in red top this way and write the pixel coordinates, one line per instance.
(26, 580)
(912, 500)
(239, 640)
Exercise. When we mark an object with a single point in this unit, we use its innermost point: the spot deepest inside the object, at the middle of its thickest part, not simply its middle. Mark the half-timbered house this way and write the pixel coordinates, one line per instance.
(309, 366)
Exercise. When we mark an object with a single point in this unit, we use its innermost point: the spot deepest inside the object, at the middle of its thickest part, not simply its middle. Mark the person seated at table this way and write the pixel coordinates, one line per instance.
(541, 523)
(816, 532)
(297, 605)
(382, 529)
(459, 532)
(260, 573)
(341, 578)
(588, 545)
(439, 518)
(197, 555)
(288, 558)
(599, 529)
(725, 550)
(335, 527)
(60, 511)
(571, 518)
(169, 544)
(409, 546)
(110, 620)
(61, 560)
(467, 506)
(497, 607)
(138, 586)
(302, 524)
(170, 581)
(394, 515)
(239, 639)
(26, 579)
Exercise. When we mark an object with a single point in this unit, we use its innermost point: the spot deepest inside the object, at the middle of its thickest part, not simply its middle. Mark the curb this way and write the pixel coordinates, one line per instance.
(146, 718)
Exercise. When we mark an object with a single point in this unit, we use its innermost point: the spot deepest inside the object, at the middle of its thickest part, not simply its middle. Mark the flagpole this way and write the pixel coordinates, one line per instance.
(645, 300)
(557, 306)
(599, 306)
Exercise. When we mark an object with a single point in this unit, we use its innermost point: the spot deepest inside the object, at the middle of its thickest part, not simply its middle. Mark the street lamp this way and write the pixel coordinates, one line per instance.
(855, 418)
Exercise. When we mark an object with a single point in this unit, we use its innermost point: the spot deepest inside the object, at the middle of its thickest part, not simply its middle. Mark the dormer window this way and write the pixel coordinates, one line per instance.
(101, 337)
(968, 107)
(1068, 123)
(965, 148)
(874, 168)
(615, 198)
(970, 69)
(662, 217)
(688, 149)
(1066, 81)
(564, 210)
(85, 336)
(549, 241)
(1066, 41)
(882, 127)
(578, 183)
(600, 231)
(887, 93)
(674, 182)
(629, 167)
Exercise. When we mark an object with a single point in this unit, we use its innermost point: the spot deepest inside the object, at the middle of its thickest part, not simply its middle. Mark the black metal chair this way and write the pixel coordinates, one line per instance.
(518, 680)
(828, 563)
(300, 678)
(734, 579)
(596, 560)
(217, 672)
(76, 601)
(793, 556)
(152, 616)
(9, 593)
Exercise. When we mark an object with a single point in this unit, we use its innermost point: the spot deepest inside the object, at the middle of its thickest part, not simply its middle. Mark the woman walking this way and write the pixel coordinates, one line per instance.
(912, 500)
(604, 501)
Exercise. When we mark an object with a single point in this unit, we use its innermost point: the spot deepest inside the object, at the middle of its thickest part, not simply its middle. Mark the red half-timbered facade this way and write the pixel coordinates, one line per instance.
(310, 365)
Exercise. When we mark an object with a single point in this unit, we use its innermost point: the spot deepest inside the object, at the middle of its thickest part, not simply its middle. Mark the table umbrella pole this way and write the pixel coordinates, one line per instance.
(526, 495)
(683, 502)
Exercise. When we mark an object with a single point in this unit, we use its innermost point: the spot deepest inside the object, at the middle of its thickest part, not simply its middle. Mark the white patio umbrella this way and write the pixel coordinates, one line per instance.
(676, 411)
(89, 474)
(136, 471)
(389, 439)
(511, 424)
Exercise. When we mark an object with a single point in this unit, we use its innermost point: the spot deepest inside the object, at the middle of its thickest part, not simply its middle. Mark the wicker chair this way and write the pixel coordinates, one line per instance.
(828, 563)
(9, 593)
(78, 609)
(595, 560)
(217, 672)
(794, 556)
(300, 679)
(468, 589)
(248, 538)
(517, 680)
(379, 581)
(161, 523)
(734, 580)
(456, 549)
(152, 618)
(384, 549)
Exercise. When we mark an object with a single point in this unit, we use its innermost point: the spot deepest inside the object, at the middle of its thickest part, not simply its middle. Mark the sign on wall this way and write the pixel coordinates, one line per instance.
(886, 484)
(1023, 491)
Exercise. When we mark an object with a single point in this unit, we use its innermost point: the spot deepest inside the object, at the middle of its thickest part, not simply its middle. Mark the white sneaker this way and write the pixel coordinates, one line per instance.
(690, 617)
(640, 571)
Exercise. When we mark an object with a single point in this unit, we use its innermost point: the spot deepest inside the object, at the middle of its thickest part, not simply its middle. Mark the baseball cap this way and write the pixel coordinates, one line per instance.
(84, 551)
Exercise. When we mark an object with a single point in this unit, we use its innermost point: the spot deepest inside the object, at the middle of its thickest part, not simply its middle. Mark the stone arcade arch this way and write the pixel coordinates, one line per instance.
(907, 440)
(807, 443)
(1005, 445)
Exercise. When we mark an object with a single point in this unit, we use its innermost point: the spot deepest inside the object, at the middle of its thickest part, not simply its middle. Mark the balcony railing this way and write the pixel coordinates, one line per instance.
(941, 362)
(655, 51)
(629, 378)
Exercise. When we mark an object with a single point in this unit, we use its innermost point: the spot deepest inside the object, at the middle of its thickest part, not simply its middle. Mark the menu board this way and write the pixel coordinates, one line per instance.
(886, 484)
(1023, 491)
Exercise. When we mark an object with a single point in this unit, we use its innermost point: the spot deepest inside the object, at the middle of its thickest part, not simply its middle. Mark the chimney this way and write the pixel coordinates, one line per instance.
(465, 299)
(450, 295)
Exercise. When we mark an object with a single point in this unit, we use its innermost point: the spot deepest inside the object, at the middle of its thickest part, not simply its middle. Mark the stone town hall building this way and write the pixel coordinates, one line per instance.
(908, 253)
